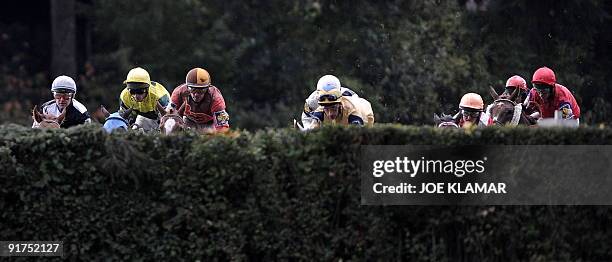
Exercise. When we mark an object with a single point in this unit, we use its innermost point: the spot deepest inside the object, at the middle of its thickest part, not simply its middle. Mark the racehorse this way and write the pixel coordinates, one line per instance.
(445, 121)
(47, 121)
(508, 110)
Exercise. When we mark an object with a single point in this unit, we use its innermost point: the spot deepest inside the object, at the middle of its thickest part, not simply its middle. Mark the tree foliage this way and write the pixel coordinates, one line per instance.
(408, 58)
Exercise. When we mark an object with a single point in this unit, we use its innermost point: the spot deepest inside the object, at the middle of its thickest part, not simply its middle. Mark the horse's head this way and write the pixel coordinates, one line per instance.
(171, 123)
(100, 114)
(171, 120)
(47, 121)
(506, 109)
(445, 121)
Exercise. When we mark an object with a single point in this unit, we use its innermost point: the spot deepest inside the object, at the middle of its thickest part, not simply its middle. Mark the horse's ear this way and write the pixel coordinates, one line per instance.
(514, 94)
(181, 110)
(62, 116)
(36, 115)
(104, 111)
(493, 93)
(101, 114)
(436, 119)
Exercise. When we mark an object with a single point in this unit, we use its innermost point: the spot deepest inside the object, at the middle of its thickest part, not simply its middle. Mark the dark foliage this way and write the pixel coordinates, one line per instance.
(270, 195)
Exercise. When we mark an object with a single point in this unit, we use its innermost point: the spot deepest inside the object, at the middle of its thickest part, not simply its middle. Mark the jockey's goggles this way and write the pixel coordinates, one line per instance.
(542, 88)
(470, 113)
(64, 95)
(510, 89)
(138, 91)
(328, 99)
(197, 89)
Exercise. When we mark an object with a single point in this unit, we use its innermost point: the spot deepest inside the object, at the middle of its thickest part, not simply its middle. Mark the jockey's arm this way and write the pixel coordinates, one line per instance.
(123, 107)
(87, 119)
(355, 120)
(221, 121)
(164, 101)
(566, 110)
(318, 118)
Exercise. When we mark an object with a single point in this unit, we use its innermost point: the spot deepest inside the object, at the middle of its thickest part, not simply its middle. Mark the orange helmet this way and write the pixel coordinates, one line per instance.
(197, 78)
(471, 100)
(517, 81)
(544, 75)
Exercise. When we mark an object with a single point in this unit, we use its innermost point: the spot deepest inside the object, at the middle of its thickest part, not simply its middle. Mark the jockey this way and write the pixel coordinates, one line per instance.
(312, 102)
(552, 96)
(471, 111)
(518, 82)
(204, 105)
(64, 89)
(513, 83)
(334, 108)
(142, 95)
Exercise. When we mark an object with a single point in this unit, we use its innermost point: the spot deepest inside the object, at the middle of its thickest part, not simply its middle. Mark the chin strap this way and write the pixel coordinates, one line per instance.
(518, 109)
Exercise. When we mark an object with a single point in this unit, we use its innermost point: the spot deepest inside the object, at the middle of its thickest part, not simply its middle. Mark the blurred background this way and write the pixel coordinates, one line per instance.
(408, 58)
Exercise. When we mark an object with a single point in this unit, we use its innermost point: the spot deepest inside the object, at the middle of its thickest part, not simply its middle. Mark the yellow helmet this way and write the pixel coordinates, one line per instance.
(472, 100)
(332, 96)
(138, 75)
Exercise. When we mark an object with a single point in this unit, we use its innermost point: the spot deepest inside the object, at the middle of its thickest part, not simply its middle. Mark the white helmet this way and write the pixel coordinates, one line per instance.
(63, 84)
(327, 83)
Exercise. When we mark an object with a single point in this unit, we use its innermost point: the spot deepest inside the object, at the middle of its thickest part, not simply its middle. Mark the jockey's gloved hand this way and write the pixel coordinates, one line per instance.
(131, 118)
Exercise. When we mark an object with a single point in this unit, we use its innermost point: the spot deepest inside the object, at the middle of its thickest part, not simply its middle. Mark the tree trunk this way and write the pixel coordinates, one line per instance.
(63, 38)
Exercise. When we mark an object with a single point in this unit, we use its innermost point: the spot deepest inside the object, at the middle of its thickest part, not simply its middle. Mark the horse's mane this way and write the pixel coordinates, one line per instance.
(446, 118)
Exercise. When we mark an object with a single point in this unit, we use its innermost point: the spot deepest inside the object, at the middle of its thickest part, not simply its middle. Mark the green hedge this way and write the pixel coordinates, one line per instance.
(270, 195)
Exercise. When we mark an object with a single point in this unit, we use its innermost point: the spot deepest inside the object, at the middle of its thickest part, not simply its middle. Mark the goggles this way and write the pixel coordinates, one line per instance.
(194, 89)
(510, 89)
(138, 91)
(58, 95)
(328, 98)
(469, 113)
(542, 88)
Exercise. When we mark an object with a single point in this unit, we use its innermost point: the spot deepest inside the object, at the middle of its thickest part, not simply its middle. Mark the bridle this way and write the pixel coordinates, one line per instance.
(448, 124)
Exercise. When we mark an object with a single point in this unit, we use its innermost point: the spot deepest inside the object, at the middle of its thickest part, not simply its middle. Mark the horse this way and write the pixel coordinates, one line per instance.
(43, 120)
(508, 110)
(171, 120)
(445, 121)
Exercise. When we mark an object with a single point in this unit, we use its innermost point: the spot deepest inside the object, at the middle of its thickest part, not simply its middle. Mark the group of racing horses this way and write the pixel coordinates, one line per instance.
(505, 110)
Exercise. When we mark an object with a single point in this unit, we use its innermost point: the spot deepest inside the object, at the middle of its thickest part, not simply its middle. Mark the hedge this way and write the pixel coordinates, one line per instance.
(268, 195)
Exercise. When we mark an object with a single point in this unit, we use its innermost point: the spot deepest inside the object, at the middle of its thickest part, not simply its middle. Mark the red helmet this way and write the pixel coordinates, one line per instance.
(544, 75)
(517, 81)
